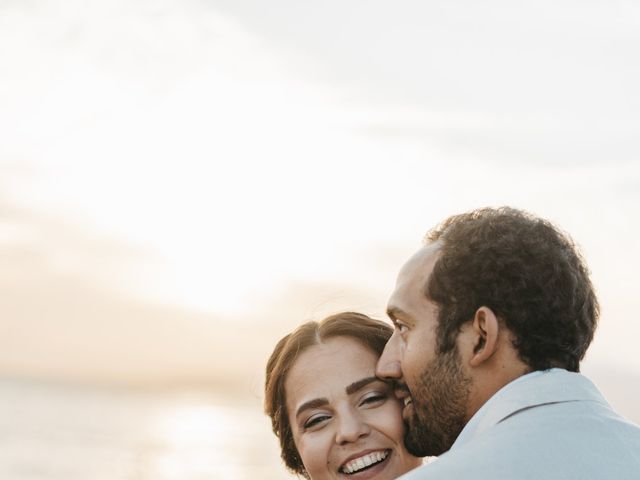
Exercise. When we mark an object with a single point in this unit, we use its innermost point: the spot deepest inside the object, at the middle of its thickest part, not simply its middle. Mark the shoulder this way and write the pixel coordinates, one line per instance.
(563, 440)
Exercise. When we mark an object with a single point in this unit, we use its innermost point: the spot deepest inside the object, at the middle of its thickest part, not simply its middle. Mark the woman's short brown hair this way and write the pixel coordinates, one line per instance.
(371, 333)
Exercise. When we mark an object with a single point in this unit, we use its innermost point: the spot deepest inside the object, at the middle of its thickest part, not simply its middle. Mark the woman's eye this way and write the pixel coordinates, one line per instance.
(374, 399)
(316, 420)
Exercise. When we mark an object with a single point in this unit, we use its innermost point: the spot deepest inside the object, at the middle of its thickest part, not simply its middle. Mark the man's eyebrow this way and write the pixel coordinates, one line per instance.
(355, 386)
(395, 312)
(315, 403)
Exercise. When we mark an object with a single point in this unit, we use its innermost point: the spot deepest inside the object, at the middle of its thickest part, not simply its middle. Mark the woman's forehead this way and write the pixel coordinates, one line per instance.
(328, 368)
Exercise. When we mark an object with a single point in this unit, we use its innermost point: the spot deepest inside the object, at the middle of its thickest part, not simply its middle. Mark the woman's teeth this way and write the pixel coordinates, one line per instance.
(365, 461)
(407, 401)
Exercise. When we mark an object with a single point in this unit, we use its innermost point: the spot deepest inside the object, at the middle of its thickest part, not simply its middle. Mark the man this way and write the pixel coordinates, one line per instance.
(492, 318)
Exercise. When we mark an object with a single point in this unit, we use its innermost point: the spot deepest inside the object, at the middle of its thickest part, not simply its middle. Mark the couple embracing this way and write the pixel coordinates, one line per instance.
(491, 318)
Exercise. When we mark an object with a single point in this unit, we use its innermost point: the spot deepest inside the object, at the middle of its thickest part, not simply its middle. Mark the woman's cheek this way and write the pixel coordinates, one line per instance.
(314, 448)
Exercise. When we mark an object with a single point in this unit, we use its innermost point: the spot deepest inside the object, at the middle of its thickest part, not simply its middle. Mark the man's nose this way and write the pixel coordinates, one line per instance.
(388, 365)
(351, 427)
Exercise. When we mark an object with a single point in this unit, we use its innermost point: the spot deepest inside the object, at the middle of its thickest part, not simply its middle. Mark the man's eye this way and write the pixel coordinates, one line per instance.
(401, 327)
(315, 420)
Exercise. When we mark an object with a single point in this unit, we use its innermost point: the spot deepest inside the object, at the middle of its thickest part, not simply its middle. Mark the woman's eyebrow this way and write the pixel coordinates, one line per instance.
(355, 386)
(321, 402)
(315, 403)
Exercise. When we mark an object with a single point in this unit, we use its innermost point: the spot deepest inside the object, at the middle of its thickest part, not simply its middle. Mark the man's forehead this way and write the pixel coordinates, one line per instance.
(419, 266)
(412, 279)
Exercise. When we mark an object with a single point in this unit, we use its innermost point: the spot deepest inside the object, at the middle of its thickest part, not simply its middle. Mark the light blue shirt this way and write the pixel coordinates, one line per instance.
(545, 425)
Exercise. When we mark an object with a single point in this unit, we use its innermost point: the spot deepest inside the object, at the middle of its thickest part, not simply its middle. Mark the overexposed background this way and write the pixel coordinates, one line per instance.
(183, 182)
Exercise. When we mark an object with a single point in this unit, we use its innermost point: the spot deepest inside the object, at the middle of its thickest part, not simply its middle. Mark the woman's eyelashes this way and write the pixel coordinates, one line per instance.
(315, 421)
(374, 399)
(369, 400)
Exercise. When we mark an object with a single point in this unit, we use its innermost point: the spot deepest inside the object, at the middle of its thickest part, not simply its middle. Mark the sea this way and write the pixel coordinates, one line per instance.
(52, 431)
(66, 432)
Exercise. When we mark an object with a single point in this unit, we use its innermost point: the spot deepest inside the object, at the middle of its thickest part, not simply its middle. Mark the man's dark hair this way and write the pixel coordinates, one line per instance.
(528, 272)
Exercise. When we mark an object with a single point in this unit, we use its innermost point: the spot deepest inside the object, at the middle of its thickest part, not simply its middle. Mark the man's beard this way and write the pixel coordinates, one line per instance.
(439, 405)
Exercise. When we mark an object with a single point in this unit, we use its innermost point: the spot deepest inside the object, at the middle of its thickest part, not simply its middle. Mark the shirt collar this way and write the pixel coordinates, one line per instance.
(537, 388)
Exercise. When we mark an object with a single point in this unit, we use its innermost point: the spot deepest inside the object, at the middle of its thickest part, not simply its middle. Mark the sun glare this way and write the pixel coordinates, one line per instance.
(202, 440)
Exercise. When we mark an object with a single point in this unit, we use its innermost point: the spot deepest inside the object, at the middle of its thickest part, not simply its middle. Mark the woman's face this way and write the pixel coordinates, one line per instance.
(346, 423)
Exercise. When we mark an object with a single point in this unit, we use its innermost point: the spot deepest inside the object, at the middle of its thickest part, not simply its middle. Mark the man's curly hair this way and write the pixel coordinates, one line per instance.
(528, 272)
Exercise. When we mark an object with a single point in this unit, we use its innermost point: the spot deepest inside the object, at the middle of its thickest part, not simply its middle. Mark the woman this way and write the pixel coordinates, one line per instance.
(333, 417)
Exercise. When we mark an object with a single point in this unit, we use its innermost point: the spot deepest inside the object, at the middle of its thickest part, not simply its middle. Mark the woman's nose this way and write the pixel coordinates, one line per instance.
(351, 427)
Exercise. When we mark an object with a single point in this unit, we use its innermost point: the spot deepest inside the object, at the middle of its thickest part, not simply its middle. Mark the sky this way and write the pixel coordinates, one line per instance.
(183, 182)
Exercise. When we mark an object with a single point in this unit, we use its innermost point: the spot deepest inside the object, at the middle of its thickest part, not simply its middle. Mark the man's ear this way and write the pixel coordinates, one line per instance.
(486, 328)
